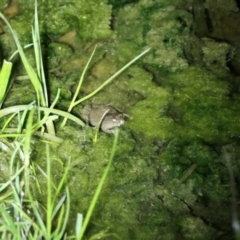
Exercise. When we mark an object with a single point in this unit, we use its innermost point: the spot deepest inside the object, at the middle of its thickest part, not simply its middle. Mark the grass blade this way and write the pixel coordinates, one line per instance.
(30, 71)
(4, 79)
(99, 188)
(13, 109)
(72, 104)
(111, 78)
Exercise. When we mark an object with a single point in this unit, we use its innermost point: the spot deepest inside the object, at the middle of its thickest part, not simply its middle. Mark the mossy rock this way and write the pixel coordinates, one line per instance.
(201, 105)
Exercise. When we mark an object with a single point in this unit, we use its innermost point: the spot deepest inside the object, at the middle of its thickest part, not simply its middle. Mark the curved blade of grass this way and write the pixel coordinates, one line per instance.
(16, 52)
(8, 121)
(11, 132)
(98, 126)
(111, 78)
(46, 115)
(17, 108)
(23, 117)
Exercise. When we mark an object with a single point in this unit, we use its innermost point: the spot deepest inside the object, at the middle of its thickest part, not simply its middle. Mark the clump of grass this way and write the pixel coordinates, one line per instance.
(22, 216)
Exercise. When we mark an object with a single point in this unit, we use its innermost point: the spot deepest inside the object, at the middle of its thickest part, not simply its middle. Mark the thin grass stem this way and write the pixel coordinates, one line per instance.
(78, 87)
(111, 78)
(99, 187)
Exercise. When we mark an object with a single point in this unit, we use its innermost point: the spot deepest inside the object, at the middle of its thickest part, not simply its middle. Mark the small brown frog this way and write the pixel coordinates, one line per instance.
(111, 117)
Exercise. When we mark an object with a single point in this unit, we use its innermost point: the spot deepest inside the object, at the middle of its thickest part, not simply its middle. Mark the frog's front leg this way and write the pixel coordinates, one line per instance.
(109, 130)
(110, 124)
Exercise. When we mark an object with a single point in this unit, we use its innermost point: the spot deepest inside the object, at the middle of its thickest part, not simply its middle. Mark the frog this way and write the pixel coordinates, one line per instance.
(110, 116)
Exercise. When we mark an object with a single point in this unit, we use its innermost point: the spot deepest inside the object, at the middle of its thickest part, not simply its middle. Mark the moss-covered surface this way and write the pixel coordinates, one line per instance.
(169, 179)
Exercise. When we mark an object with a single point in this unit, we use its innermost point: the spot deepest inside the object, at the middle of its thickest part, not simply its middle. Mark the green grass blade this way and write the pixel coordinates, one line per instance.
(98, 126)
(4, 79)
(17, 52)
(28, 137)
(46, 115)
(23, 117)
(30, 71)
(59, 220)
(49, 193)
(99, 187)
(61, 183)
(78, 87)
(38, 53)
(79, 223)
(67, 213)
(81, 80)
(18, 108)
(111, 78)
(8, 121)
(6, 184)
(58, 206)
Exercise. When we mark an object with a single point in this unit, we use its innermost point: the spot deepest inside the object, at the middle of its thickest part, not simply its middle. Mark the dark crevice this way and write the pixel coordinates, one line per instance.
(238, 3)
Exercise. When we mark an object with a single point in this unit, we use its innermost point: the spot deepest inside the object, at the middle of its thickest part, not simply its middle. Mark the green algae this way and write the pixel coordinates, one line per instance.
(156, 25)
(181, 154)
(92, 17)
(90, 20)
(201, 105)
(193, 102)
